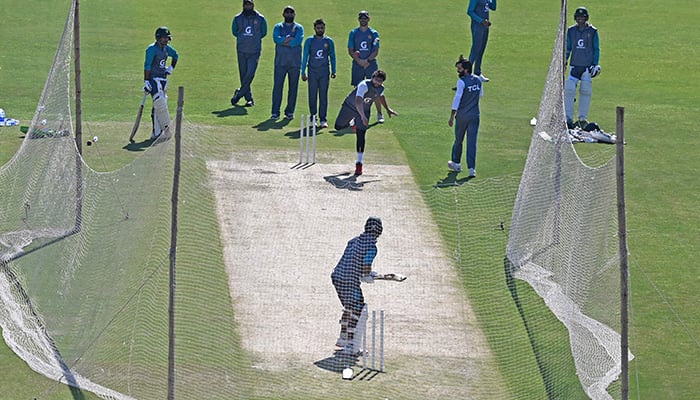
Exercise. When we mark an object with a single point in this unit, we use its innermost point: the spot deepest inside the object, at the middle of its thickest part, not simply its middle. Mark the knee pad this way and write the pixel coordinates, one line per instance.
(570, 86)
(586, 87)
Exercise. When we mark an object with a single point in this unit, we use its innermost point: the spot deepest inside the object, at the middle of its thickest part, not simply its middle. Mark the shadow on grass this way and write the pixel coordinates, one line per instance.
(270, 123)
(451, 180)
(232, 111)
(138, 146)
(297, 134)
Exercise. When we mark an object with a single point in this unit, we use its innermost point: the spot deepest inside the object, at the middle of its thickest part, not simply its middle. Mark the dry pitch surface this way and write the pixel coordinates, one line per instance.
(285, 228)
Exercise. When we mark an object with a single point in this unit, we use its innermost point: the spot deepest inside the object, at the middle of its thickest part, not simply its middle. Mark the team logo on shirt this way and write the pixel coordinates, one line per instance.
(248, 31)
(319, 54)
(581, 44)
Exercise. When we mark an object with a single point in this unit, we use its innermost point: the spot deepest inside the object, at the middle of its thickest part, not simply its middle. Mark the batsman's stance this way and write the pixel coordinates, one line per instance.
(155, 76)
(354, 267)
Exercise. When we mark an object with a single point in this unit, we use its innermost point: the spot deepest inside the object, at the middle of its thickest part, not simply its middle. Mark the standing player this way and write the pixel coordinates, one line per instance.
(582, 46)
(354, 267)
(357, 107)
(155, 78)
(288, 37)
(248, 27)
(363, 48)
(319, 52)
(478, 11)
(465, 109)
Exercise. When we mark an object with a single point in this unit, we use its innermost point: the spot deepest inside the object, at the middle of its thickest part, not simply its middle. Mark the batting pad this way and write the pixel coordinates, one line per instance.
(360, 330)
(160, 107)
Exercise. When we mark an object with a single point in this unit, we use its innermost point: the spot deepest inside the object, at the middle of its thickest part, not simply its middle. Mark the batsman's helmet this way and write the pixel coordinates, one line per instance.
(374, 225)
(581, 12)
(163, 31)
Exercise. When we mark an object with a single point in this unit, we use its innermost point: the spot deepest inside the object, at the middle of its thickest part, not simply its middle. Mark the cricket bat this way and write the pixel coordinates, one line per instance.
(138, 118)
(391, 277)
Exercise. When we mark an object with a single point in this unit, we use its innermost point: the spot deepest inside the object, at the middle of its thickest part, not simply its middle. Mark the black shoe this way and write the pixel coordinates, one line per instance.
(249, 103)
(236, 97)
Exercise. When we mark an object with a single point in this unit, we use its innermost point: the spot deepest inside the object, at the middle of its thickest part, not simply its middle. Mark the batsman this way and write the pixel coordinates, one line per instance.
(354, 268)
(155, 78)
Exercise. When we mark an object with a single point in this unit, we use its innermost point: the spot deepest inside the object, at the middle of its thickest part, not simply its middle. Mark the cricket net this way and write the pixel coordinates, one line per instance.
(84, 263)
(563, 236)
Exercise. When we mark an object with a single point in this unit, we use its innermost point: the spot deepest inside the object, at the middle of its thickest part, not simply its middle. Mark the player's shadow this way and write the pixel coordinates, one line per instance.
(138, 146)
(235, 110)
(349, 182)
(338, 362)
(270, 123)
(451, 180)
(296, 134)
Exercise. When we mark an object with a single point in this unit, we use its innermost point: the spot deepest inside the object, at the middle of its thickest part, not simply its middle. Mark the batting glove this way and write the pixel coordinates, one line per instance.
(594, 70)
(147, 86)
(169, 70)
(367, 279)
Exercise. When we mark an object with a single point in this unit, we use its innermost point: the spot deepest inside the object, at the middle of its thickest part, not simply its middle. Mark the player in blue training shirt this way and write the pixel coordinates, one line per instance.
(478, 11)
(355, 267)
(357, 107)
(319, 53)
(363, 48)
(249, 27)
(155, 76)
(465, 109)
(288, 37)
(583, 48)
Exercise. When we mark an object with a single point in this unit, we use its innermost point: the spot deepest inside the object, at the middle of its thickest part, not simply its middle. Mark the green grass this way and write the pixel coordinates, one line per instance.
(649, 67)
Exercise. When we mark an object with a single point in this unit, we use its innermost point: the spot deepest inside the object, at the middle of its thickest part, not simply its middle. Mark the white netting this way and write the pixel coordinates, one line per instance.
(563, 236)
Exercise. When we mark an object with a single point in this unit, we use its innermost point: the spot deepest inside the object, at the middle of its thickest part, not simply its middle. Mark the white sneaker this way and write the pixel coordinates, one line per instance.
(472, 172)
(456, 167)
(380, 118)
(483, 78)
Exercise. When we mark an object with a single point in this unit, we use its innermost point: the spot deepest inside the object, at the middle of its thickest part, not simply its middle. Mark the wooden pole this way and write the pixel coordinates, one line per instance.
(78, 89)
(173, 246)
(624, 268)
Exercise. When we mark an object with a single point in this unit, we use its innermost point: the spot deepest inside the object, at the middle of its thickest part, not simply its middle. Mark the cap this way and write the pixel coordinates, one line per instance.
(289, 8)
(363, 13)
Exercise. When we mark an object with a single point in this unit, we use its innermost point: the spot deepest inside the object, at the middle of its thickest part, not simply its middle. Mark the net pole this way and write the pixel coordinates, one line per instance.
(173, 245)
(624, 267)
(78, 84)
(78, 118)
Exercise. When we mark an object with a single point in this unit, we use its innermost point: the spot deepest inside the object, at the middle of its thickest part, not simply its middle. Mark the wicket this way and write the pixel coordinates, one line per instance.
(307, 138)
(373, 350)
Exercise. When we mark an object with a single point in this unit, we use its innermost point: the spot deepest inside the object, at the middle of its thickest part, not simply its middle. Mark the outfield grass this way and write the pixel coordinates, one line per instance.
(647, 68)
